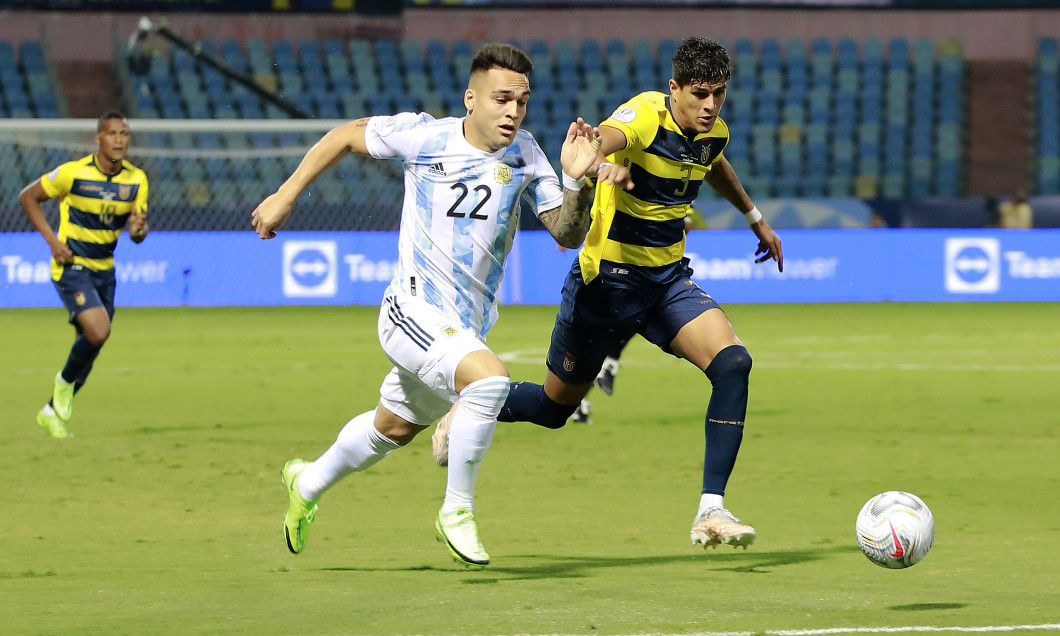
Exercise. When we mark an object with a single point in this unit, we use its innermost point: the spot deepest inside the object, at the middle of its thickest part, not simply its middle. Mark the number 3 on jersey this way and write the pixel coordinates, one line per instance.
(486, 193)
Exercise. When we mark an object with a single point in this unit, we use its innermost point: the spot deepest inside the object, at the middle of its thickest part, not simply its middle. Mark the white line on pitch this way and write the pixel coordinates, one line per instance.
(879, 630)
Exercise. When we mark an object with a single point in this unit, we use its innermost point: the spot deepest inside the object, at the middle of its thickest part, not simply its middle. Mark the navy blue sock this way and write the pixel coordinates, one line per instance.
(82, 355)
(616, 349)
(728, 374)
(527, 402)
(80, 381)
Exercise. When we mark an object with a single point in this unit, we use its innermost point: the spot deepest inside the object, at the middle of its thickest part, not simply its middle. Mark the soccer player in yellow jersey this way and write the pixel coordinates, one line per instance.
(632, 276)
(98, 196)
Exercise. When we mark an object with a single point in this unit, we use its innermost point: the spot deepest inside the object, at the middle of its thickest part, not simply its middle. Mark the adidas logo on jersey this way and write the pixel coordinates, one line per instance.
(437, 169)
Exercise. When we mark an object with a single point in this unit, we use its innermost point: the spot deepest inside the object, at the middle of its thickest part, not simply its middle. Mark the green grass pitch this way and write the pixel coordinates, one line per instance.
(163, 514)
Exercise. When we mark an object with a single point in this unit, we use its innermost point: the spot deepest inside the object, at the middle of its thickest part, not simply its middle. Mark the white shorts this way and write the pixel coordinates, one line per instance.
(426, 346)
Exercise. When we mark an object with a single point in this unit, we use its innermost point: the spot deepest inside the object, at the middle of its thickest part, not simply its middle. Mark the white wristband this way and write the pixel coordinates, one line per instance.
(753, 216)
(571, 183)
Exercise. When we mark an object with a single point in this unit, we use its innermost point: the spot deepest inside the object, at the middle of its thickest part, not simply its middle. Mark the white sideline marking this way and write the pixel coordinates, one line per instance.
(910, 366)
(885, 630)
(912, 628)
(528, 356)
(813, 361)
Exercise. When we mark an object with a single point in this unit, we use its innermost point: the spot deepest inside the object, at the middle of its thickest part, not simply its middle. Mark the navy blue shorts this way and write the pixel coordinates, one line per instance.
(82, 288)
(615, 306)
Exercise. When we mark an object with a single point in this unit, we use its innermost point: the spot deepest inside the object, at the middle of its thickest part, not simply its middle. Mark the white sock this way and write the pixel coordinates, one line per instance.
(48, 410)
(359, 446)
(474, 421)
(710, 500)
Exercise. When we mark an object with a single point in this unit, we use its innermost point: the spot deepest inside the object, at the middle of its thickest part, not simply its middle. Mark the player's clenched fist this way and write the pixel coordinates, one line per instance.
(270, 215)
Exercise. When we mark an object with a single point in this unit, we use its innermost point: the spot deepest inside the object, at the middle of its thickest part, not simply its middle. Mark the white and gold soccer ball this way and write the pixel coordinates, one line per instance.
(895, 529)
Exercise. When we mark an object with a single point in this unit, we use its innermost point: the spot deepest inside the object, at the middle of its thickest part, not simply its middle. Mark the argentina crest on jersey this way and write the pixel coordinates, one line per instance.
(503, 174)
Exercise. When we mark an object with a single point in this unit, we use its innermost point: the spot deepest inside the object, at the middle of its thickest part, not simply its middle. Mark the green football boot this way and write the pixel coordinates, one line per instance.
(300, 512)
(459, 532)
(63, 398)
(52, 425)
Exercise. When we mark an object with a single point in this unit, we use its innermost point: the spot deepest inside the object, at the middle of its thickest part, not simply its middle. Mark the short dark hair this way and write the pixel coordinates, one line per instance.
(501, 55)
(110, 114)
(701, 60)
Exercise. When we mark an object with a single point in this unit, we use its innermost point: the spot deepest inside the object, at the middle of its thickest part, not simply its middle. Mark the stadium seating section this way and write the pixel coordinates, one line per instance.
(824, 118)
(1047, 117)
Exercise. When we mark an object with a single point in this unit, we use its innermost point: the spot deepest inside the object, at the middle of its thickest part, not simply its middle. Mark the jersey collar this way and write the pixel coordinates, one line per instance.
(108, 176)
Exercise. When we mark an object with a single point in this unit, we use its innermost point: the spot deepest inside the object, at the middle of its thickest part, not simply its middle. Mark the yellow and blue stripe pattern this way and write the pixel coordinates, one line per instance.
(644, 227)
(93, 208)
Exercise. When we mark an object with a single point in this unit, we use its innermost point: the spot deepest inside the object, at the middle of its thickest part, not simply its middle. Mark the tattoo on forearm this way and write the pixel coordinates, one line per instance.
(569, 223)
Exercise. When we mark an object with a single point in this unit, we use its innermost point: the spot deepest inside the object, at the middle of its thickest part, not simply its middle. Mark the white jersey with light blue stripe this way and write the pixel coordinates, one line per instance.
(461, 210)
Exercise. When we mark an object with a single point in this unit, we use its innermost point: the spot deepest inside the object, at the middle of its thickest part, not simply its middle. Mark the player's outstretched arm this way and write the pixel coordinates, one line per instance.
(569, 222)
(272, 213)
(723, 179)
(581, 156)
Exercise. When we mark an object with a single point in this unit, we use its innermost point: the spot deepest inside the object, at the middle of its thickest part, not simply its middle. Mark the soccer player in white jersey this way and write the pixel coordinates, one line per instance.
(464, 178)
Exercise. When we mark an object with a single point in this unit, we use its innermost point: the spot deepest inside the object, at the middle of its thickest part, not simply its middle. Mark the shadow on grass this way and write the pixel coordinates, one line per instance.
(546, 566)
(919, 607)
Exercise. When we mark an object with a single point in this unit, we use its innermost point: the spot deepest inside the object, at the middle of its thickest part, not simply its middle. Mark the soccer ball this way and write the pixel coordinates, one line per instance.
(895, 529)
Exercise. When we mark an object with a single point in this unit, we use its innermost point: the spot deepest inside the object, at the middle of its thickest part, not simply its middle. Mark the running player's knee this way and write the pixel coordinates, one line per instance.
(487, 395)
(553, 414)
(97, 335)
(732, 362)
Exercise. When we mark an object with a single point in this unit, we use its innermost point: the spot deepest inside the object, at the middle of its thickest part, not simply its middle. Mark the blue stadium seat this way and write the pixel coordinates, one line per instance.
(814, 186)
(767, 108)
(764, 150)
(412, 58)
(309, 54)
(793, 113)
(7, 53)
(820, 101)
(924, 54)
(892, 186)
(539, 52)
(771, 81)
(843, 150)
(615, 48)
(739, 106)
(848, 54)
(591, 58)
(869, 141)
(898, 53)
(1047, 47)
(769, 55)
(30, 57)
(664, 60)
(872, 52)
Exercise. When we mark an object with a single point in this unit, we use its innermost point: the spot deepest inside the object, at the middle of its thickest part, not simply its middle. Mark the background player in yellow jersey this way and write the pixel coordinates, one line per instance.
(98, 196)
(632, 277)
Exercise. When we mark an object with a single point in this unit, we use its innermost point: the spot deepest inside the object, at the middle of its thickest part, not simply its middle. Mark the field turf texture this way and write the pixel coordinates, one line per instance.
(163, 514)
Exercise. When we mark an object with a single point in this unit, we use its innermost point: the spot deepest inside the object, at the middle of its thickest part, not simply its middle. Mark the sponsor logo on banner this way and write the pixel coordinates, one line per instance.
(309, 269)
(973, 265)
(16, 270)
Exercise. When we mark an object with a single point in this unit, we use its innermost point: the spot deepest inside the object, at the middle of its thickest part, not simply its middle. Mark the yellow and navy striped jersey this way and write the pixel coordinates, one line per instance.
(644, 227)
(93, 208)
